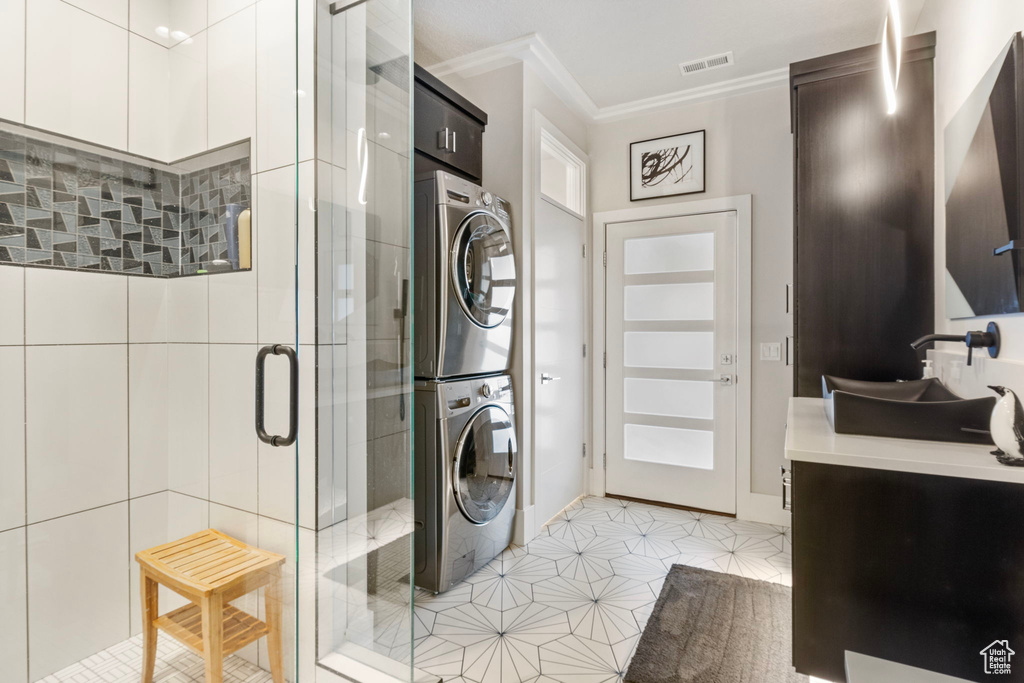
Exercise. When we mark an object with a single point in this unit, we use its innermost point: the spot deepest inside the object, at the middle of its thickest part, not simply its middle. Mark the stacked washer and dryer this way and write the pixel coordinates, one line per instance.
(466, 453)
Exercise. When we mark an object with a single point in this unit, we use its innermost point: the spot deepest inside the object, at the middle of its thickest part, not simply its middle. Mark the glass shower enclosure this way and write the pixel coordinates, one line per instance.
(204, 325)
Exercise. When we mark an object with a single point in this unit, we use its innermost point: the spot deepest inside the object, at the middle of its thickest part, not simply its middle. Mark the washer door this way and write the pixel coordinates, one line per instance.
(485, 464)
(484, 269)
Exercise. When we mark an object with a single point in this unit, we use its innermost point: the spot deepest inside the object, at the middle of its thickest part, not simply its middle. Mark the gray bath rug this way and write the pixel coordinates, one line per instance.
(709, 627)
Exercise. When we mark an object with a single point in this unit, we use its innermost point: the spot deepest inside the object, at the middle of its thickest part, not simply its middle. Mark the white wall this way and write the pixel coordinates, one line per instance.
(510, 96)
(126, 402)
(749, 151)
(969, 37)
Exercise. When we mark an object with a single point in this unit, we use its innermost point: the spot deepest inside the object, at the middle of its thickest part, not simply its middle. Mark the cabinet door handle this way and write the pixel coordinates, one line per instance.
(442, 139)
(452, 150)
(787, 484)
(293, 394)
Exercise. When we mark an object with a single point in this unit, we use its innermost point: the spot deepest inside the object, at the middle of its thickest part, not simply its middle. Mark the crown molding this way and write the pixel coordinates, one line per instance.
(532, 50)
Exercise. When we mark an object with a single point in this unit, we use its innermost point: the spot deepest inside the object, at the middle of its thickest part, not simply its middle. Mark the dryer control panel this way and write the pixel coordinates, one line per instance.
(451, 189)
(458, 396)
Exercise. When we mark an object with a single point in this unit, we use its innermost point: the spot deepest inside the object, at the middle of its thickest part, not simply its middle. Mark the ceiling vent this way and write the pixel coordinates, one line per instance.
(707, 63)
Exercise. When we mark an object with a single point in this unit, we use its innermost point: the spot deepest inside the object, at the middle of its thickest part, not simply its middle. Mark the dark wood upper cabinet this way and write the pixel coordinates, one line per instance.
(863, 215)
(448, 129)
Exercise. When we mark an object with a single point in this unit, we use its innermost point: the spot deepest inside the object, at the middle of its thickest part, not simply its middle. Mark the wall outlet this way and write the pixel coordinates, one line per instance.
(771, 351)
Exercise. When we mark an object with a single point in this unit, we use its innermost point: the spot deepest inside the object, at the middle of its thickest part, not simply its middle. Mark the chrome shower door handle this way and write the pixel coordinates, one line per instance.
(545, 378)
(293, 394)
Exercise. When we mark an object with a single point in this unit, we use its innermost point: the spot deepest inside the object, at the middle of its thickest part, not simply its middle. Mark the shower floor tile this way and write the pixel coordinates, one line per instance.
(122, 663)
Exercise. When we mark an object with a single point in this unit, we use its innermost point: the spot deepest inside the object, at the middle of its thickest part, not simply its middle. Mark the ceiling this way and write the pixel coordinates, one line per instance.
(620, 51)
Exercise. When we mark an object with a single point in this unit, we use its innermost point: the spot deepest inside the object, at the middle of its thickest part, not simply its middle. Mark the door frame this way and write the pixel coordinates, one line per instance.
(526, 525)
(749, 506)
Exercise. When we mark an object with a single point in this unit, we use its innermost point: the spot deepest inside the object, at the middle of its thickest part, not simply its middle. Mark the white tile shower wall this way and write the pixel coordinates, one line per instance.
(83, 98)
(13, 613)
(147, 310)
(221, 9)
(232, 78)
(114, 11)
(188, 88)
(12, 427)
(233, 451)
(149, 426)
(76, 428)
(188, 410)
(77, 587)
(12, 306)
(12, 56)
(71, 307)
(276, 86)
(149, 98)
(188, 306)
(277, 253)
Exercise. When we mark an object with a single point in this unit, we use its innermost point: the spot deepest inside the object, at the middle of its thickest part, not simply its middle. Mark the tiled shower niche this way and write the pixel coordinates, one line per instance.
(71, 205)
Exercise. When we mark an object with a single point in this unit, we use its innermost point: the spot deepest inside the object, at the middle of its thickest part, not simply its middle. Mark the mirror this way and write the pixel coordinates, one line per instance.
(983, 185)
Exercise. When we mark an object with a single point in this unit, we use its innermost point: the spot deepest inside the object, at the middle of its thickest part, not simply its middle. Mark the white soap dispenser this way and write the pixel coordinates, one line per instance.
(928, 371)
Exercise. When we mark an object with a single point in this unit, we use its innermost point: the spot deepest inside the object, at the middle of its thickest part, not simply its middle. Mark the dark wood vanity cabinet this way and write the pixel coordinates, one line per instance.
(863, 216)
(448, 129)
(920, 569)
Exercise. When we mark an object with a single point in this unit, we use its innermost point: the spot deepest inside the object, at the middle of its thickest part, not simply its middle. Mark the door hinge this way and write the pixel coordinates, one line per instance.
(605, 363)
(604, 259)
(584, 350)
(584, 451)
(584, 251)
(604, 460)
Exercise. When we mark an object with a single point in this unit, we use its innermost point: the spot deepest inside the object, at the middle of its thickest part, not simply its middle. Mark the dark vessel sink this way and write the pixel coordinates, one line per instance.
(918, 409)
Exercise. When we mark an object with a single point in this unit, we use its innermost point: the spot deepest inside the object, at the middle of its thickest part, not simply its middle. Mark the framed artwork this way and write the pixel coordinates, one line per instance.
(668, 166)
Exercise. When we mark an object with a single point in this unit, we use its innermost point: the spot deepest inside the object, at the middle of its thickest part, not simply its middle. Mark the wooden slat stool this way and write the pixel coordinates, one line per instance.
(211, 569)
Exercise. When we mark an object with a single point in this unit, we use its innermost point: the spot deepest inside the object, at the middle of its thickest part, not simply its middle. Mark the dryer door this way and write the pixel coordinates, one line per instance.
(483, 269)
(485, 464)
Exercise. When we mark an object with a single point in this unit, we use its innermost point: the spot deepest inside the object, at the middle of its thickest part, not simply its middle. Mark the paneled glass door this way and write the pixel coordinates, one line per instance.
(672, 345)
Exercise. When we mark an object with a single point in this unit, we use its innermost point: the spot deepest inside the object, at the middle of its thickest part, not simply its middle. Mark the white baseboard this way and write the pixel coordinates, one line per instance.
(764, 508)
(524, 528)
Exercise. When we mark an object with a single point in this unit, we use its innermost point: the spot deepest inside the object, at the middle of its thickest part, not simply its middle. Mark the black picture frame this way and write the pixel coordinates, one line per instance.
(653, 186)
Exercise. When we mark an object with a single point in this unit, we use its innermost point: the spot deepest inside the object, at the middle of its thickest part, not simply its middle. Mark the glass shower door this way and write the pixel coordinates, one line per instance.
(365, 613)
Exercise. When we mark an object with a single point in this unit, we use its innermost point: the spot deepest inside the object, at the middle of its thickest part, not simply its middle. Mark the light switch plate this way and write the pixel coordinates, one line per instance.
(771, 351)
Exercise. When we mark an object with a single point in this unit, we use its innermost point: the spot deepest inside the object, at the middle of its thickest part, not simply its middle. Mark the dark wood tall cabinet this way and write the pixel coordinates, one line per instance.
(863, 215)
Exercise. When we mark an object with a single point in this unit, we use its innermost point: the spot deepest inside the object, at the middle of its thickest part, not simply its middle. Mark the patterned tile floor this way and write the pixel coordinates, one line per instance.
(567, 607)
(570, 605)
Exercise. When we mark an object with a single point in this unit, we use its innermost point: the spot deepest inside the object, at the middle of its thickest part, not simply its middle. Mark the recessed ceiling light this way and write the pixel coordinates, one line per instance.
(179, 35)
(163, 31)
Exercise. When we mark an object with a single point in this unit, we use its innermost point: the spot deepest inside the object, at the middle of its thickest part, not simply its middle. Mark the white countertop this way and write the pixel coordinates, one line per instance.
(809, 438)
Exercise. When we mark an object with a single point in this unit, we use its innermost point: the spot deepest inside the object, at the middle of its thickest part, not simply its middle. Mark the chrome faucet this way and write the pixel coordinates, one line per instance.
(989, 339)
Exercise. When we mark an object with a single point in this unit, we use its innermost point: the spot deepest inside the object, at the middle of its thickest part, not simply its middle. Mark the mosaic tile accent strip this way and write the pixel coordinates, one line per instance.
(71, 206)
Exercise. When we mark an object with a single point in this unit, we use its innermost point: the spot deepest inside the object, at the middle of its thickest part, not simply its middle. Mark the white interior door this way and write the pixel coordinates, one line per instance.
(559, 389)
(672, 343)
